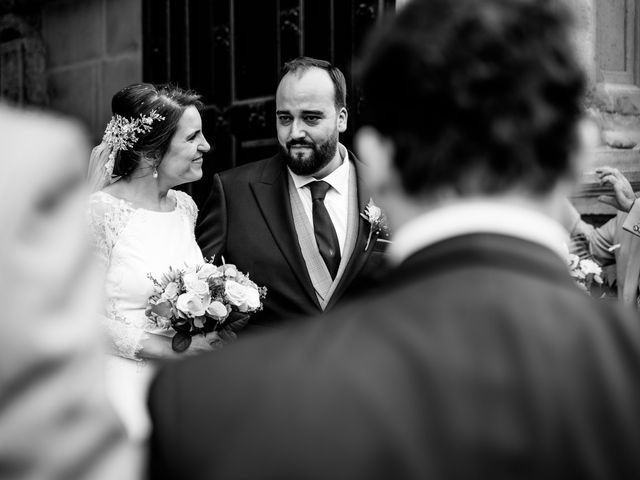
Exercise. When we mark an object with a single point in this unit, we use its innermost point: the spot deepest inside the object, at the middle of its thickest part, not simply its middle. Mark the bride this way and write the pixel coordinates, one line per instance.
(141, 226)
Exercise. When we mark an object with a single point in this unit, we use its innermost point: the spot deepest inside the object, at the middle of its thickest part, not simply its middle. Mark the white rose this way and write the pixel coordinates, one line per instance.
(217, 310)
(245, 298)
(171, 291)
(230, 270)
(195, 285)
(207, 270)
(190, 304)
(253, 298)
(246, 282)
(236, 294)
(589, 266)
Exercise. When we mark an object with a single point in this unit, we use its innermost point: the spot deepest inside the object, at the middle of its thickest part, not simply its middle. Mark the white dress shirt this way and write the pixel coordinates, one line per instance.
(337, 199)
(478, 216)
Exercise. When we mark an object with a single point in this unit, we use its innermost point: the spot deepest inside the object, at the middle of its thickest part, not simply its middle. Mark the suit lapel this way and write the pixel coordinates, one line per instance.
(630, 252)
(359, 255)
(272, 196)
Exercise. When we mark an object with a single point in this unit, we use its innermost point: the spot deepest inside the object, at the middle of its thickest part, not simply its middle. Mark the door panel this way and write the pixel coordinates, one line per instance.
(231, 52)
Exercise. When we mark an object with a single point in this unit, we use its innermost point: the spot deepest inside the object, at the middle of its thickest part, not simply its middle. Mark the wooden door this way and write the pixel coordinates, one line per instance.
(231, 52)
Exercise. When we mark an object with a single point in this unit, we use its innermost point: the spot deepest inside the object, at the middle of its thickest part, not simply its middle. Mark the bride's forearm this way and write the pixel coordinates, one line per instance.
(150, 346)
(154, 347)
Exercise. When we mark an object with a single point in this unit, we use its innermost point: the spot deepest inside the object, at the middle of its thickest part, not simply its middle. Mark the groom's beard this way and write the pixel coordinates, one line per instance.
(319, 158)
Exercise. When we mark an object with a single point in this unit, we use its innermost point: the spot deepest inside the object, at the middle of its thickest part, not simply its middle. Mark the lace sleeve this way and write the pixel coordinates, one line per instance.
(107, 217)
(126, 339)
(185, 203)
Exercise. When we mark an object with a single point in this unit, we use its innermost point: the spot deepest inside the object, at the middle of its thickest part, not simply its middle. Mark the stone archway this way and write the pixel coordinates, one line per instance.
(23, 76)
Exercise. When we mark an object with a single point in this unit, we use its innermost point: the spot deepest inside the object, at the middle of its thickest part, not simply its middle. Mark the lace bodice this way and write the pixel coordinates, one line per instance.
(132, 243)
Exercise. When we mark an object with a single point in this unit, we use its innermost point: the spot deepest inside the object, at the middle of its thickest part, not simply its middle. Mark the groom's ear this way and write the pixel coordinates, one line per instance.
(343, 116)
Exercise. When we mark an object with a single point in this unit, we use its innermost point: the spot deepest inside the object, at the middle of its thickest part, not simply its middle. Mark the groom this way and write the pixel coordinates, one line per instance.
(294, 221)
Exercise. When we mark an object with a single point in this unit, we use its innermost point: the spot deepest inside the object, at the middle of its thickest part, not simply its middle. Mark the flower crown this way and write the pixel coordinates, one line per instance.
(122, 134)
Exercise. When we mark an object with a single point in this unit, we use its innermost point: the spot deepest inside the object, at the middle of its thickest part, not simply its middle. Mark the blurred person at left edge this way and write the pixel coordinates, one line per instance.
(55, 420)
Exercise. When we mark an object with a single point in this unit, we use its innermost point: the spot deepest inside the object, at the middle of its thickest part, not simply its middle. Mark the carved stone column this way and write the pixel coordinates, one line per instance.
(605, 44)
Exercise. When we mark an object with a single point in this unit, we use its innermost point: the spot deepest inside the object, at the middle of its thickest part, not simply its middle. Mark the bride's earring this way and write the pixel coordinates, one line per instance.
(155, 172)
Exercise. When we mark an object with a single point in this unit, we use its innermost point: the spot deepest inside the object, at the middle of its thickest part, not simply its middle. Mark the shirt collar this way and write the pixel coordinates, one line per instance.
(338, 179)
(478, 216)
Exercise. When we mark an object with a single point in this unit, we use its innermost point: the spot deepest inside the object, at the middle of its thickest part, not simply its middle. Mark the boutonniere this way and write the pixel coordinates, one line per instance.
(376, 218)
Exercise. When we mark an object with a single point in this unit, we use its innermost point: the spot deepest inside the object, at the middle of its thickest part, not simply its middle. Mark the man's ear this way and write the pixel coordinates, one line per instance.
(377, 152)
(343, 115)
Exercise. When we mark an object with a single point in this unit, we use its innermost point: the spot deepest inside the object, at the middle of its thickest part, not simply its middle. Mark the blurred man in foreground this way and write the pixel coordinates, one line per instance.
(55, 421)
(479, 358)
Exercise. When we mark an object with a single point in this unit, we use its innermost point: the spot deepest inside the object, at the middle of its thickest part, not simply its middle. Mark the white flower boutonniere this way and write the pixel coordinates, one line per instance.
(376, 218)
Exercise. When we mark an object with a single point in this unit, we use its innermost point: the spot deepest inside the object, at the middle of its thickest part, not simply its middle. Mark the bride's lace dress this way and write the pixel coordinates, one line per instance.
(132, 243)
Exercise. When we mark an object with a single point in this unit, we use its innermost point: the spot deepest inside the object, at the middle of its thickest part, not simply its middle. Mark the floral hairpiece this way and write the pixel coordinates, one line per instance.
(122, 134)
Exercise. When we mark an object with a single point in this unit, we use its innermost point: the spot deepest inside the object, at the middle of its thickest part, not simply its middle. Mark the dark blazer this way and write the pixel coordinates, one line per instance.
(247, 220)
(478, 359)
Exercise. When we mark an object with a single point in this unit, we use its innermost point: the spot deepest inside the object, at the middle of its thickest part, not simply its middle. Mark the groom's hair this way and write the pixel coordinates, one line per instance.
(481, 96)
(140, 99)
(301, 64)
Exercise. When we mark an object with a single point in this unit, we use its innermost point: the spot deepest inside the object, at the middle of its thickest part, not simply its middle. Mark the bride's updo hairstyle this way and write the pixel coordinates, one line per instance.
(139, 100)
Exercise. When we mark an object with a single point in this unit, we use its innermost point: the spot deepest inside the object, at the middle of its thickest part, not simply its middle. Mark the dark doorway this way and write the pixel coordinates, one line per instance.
(231, 52)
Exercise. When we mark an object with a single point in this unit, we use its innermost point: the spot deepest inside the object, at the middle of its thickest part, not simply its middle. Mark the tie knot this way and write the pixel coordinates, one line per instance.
(319, 190)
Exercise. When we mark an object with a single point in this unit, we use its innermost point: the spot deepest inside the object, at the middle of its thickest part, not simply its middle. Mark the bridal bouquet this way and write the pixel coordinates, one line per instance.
(585, 272)
(203, 299)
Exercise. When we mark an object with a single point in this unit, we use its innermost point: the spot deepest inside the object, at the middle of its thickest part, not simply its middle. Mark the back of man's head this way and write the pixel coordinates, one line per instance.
(479, 96)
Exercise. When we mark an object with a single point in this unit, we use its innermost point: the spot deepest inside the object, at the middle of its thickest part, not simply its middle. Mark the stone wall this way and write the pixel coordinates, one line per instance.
(607, 41)
(22, 60)
(93, 49)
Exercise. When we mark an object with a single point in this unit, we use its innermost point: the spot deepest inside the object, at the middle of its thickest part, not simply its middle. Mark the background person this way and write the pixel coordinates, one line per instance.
(615, 242)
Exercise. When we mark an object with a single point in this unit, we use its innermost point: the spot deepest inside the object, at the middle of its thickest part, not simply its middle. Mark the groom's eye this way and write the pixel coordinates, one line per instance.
(284, 119)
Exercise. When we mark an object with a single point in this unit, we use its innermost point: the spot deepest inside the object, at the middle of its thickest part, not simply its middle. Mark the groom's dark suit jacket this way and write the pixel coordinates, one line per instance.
(478, 359)
(248, 221)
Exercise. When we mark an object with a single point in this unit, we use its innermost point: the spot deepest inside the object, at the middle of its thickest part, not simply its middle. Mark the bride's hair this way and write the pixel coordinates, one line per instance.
(140, 99)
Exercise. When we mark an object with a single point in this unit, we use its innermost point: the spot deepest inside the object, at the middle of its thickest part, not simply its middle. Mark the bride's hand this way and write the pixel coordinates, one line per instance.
(203, 343)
